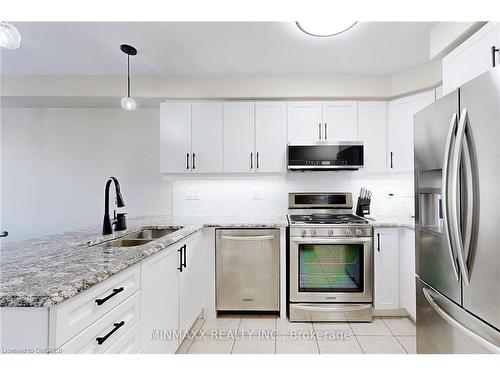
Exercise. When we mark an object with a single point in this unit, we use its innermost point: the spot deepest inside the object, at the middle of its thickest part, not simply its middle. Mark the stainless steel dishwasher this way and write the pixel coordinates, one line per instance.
(247, 269)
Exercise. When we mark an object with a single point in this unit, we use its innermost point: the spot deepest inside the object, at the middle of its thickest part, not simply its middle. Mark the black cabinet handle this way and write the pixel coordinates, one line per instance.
(257, 160)
(494, 51)
(100, 301)
(4, 234)
(187, 160)
(251, 160)
(391, 161)
(180, 259)
(326, 135)
(378, 242)
(194, 157)
(319, 128)
(184, 263)
(100, 340)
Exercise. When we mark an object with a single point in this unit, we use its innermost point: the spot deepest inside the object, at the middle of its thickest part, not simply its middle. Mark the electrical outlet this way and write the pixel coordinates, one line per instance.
(192, 196)
(256, 195)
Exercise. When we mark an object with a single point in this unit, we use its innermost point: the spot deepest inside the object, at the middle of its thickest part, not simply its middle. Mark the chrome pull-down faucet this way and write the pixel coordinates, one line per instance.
(118, 223)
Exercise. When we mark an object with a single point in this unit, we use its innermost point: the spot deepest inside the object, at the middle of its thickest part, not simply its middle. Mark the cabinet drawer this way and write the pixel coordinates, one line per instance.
(128, 343)
(77, 313)
(110, 328)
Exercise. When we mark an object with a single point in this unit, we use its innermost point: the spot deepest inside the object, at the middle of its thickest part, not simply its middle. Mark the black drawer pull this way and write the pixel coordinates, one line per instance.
(378, 242)
(100, 340)
(100, 301)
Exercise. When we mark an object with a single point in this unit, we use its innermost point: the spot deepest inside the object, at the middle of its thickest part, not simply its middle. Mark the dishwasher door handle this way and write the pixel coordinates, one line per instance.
(248, 238)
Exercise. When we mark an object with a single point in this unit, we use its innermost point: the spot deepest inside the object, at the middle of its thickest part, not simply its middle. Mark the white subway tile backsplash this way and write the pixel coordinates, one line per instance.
(257, 195)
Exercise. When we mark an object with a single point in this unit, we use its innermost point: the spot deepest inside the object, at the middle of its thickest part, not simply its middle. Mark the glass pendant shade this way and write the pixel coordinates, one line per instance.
(128, 103)
(10, 37)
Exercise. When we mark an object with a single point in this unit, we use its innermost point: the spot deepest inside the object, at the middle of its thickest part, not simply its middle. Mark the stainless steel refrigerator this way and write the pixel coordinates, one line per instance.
(457, 213)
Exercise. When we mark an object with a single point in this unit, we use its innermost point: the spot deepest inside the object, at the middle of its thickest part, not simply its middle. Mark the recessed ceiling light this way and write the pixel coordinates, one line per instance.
(10, 37)
(325, 28)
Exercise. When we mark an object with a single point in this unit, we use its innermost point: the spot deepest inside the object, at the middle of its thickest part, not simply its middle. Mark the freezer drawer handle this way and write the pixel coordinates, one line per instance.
(248, 238)
(100, 301)
(474, 336)
(100, 340)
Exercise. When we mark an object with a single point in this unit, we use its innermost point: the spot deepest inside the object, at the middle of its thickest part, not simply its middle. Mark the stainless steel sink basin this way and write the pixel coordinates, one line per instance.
(152, 233)
(140, 238)
(124, 242)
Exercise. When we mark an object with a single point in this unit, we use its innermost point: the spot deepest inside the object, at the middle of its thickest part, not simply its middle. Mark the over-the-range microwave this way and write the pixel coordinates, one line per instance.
(325, 156)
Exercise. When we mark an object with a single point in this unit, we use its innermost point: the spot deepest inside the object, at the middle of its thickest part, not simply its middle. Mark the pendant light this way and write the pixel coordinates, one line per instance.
(127, 102)
(10, 37)
(325, 28)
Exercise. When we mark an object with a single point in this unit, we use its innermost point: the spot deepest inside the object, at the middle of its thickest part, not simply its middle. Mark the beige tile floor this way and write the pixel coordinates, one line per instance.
(265, 334)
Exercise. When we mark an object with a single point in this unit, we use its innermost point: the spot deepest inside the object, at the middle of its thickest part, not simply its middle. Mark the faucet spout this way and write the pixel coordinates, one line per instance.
(107, 227)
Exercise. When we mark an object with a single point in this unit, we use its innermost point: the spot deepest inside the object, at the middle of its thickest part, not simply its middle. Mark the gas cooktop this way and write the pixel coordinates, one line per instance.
(327, 218)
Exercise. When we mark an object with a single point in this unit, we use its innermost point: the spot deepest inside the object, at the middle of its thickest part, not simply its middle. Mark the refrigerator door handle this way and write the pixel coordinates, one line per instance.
(474, 336)
(455, 185)
(444, 193)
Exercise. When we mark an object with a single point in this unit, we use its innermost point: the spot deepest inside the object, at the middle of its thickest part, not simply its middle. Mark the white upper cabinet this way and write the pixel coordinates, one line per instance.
(472, 58)
(239, 129)
(175, 137)
(270, 136)
(207, 137)
(305, 122)
(340, 121)
(372, 128)
(400, 130)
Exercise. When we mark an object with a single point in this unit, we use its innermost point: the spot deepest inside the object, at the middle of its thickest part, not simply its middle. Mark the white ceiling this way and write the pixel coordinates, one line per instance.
(215, 48)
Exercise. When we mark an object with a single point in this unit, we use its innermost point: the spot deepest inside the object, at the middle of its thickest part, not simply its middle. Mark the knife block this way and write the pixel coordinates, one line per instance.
(363, 207)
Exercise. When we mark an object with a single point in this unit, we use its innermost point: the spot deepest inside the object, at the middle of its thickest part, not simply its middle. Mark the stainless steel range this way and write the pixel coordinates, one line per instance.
(330, 259)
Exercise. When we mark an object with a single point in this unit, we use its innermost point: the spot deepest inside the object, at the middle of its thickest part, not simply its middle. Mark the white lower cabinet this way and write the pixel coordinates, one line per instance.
(190, 284)
(386, 268)
(407, 294)
(172, 298)
(101, 335)
(394, 269)
(160, 301)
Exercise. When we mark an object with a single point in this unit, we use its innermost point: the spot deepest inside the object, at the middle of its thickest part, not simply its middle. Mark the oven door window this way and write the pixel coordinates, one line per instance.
(331, 268)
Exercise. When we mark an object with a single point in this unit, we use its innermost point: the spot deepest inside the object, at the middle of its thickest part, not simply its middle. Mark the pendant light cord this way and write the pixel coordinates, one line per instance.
(128, 76)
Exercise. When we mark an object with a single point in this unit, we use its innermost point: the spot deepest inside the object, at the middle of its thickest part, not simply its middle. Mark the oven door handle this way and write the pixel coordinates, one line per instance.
(321, 240)
(330, 308)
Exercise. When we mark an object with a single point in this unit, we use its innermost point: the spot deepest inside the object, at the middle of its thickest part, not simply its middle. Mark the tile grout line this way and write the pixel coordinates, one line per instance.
(393, 335)
(356, 338)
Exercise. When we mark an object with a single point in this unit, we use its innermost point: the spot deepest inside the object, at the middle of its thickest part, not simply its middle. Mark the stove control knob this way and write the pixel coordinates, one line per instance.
(348, 232)
(304, 233)
(313, 232)
(359, 232)
(330, 232)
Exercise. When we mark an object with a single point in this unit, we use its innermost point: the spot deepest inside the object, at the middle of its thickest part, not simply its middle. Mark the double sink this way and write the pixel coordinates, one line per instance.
(140, 238)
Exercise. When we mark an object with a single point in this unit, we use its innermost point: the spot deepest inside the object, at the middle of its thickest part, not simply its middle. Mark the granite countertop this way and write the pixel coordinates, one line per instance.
(392, 221)
(46, 271)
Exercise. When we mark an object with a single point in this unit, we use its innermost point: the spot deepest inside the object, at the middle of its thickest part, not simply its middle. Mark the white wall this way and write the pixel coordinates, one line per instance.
(56, 162)
(257, 195)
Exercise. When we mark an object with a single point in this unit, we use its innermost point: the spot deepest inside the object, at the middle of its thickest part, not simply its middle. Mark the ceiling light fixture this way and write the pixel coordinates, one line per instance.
(10, 37)
(127, 102)
(324, 29)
